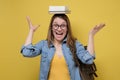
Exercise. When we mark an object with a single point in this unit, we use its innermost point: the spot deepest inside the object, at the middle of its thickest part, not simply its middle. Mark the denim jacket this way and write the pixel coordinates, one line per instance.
(47, 54)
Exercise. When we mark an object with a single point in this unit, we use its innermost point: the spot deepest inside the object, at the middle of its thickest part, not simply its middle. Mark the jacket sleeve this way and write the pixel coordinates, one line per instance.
(32, 50)
(83, 54)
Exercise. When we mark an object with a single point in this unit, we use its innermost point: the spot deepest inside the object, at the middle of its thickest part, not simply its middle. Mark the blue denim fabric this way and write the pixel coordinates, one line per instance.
(47, 54)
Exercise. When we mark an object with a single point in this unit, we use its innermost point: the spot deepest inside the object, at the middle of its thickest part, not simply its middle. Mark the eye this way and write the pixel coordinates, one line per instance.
(63, 25)
(55, 25)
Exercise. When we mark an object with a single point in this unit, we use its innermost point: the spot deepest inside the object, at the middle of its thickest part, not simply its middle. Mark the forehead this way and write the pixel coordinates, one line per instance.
(59, 20)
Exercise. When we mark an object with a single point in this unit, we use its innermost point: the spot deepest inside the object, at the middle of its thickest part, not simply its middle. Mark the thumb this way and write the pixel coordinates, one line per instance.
(37, 26)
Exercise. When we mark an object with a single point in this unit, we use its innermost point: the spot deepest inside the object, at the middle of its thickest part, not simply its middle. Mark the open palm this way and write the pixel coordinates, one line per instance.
(97, 28)
(31, 26)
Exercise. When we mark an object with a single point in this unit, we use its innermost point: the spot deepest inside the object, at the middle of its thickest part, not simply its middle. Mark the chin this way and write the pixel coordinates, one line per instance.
(59, 39)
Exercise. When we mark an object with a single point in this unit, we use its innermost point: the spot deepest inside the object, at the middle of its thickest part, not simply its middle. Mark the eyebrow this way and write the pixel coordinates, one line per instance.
(62, 23)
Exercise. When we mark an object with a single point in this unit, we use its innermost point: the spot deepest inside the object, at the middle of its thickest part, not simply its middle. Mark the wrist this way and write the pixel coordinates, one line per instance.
(31, 31)
(91, 35)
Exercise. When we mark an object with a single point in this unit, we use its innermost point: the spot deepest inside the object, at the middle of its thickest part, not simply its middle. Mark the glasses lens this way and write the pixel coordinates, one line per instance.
(63, 26)
(56, 26)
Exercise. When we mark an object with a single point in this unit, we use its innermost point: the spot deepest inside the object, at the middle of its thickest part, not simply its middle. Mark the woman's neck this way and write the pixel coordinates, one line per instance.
(57, 43)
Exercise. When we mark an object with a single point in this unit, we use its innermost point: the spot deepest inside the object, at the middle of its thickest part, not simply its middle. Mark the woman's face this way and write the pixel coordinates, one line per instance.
(59, 27)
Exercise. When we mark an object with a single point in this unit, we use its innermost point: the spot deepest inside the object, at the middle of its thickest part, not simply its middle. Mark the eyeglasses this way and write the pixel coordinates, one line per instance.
(56, 26)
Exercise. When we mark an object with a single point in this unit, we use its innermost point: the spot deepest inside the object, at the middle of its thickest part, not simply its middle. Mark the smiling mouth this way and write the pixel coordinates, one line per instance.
(59, 33)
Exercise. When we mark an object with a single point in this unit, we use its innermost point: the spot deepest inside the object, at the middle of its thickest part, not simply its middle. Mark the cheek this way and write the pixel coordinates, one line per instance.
(66, 31)
(53, 33)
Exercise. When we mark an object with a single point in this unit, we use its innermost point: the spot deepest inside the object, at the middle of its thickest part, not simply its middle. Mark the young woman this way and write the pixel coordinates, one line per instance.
(60, 50)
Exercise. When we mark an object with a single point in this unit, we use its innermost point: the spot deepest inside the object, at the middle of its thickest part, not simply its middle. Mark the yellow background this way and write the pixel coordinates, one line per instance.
(85, 14)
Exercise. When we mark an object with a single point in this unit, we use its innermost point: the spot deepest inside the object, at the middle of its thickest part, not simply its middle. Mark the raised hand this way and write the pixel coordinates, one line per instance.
(97, 28)
(92, 32)
(31, 26)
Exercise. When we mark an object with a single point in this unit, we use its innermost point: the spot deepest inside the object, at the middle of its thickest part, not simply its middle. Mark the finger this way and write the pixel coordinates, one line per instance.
(101, 26)
(96, 27)
(28, 20)
(37, 26)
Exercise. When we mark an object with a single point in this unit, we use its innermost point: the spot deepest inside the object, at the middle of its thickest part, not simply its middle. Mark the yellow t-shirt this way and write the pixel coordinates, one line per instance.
(59, 69)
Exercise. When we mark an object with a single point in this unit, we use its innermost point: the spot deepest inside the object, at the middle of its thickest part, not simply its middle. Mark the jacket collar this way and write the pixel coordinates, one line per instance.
(64, 41)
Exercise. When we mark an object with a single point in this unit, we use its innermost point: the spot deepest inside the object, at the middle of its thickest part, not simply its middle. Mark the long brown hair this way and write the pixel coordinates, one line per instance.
(70, 39)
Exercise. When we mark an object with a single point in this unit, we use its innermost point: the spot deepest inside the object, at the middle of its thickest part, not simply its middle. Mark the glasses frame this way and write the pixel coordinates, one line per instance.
(56, 26)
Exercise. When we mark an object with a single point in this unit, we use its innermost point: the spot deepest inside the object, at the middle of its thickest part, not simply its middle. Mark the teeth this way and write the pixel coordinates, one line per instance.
(59, 33)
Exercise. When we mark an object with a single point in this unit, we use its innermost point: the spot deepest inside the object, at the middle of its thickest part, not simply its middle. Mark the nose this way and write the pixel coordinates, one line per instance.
(59, 28)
